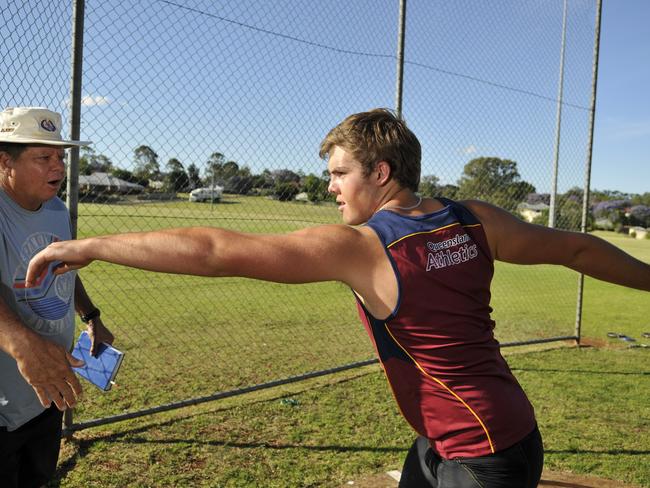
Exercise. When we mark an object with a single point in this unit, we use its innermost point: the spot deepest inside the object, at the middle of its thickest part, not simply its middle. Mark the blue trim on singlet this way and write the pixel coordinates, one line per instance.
(390, 227)
(386, 346)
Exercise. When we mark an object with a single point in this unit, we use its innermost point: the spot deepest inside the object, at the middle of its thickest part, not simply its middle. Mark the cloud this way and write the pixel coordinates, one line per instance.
(89, 100)
(626, 129)
(471, 149)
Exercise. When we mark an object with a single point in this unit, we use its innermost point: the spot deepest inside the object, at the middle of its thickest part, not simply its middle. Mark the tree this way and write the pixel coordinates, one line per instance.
(640, 215)
(429, 186)
(146, 164)
(286, 191)
(448, 191)
(240, 184)
(91, 162)
(193, 176)
(610, 214)
(316, 188)
(494, 180)
(568, 213)
(214, 169)
(230, 168)
(535, 198)
(643, 199)
(176, 179)
(124, 174)
(285, 176)
(575, 193)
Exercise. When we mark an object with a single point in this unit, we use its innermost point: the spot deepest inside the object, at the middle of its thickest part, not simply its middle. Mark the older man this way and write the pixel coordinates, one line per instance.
(36, 324)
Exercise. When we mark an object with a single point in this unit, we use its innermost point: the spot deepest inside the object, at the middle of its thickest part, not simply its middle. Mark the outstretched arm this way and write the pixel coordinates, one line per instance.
(320, 253)
(515, 241)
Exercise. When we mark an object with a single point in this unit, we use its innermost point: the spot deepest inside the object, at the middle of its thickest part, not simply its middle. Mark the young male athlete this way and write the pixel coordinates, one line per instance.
(421, 271)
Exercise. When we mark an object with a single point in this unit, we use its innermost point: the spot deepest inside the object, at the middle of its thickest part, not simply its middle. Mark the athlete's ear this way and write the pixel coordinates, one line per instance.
(383, 172)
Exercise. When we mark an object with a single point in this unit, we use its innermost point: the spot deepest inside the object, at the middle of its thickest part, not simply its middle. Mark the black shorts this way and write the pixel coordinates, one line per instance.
(28, 455)
(519, 466)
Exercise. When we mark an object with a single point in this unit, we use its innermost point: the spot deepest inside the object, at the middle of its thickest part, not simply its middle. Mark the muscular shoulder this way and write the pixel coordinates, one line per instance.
(320, 253)
(482, 210)
(343, 240)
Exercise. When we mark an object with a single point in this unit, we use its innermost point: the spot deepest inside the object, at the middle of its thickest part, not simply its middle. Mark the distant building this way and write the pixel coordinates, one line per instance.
(529, 211)
(156, 184)
(106, 183)
(638, 232)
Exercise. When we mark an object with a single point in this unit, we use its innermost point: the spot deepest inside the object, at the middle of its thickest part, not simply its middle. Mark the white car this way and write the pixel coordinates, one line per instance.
(206, 194)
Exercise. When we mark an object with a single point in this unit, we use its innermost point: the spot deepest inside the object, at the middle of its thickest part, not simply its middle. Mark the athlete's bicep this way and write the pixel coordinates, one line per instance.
(323, 253)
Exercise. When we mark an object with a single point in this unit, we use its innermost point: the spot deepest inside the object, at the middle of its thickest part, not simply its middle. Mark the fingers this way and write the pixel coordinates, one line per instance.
(61, 394)
(74, 384)
(94, 341)
(43, 396)
(73, 361)
(98, 334)
(39, 264)
(36, 267)
(55, 398)
(46, 367)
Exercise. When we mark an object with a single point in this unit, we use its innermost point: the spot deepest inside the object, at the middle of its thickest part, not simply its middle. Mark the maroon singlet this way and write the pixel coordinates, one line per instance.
(437, 348)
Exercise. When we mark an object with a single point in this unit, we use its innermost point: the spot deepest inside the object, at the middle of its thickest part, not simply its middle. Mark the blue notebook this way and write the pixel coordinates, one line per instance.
(100, 370)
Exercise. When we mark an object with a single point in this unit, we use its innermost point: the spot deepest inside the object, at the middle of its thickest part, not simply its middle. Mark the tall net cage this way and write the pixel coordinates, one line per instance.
(211, 114)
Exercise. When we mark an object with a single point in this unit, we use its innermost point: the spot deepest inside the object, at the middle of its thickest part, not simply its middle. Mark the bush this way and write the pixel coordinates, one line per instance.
(286, 191)
(640, 215)
(316, 188)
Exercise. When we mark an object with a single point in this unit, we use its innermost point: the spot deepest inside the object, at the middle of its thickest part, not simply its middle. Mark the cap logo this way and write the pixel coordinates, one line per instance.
(48, 125)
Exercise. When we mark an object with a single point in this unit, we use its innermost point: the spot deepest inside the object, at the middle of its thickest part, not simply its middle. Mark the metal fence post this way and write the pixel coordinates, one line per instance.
(585, 195)
(72, 189)
(400, 57)
(558, 129)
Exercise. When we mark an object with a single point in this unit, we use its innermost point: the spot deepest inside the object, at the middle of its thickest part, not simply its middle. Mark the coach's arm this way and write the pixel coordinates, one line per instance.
(44, 364)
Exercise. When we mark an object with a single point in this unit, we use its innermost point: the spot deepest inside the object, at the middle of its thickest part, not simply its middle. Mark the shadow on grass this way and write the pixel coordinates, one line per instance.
(222, 202)
(610, 452)
(562, 484)
(582, 371)
(83, 446)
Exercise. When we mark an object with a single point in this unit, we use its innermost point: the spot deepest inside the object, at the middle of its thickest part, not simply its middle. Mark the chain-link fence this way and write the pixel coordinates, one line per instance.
(206, 113)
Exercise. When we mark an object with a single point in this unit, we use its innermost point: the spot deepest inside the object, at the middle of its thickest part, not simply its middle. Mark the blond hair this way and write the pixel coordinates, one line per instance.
(378, 135)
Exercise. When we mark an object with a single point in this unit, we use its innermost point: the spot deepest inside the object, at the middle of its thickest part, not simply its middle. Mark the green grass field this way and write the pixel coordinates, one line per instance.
(188, 337)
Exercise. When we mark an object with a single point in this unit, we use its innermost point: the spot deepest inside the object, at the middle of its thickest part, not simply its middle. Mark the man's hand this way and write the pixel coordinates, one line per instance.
(98, 333)
(46, 367)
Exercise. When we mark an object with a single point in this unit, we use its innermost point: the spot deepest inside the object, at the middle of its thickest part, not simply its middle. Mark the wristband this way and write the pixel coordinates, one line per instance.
(93, 314)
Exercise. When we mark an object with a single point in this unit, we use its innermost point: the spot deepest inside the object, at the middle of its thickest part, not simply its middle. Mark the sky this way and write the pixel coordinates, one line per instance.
(621, 152)
(262, 82)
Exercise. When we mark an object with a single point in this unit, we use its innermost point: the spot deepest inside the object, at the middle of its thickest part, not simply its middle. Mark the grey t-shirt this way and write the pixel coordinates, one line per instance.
(48, 308)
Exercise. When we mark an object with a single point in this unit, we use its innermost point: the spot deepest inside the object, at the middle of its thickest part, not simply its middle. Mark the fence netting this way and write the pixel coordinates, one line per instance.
(210, 113)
